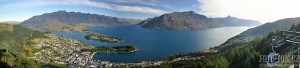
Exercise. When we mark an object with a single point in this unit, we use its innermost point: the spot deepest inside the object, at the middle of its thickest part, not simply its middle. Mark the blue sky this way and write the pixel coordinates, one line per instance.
(20, 10)
(260, 10)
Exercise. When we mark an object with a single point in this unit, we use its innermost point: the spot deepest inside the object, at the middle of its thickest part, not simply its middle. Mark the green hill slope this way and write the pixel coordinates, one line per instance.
(16, 44)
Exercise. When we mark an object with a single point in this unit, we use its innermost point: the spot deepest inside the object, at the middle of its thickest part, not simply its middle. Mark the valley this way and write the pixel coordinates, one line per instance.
(107, 45)
(149, 34)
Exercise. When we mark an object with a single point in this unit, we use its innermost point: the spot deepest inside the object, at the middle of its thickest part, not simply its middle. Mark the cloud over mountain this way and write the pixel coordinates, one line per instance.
(262, 10)
(90, 3)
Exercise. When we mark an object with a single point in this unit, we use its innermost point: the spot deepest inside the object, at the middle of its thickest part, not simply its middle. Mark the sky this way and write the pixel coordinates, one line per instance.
(260, 10)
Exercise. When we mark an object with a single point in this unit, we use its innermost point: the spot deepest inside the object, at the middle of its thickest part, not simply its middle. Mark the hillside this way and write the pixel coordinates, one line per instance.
(16, 38)
(263, 30)
(180, 21)
(6, 27)
(16, 44)
(191, 20)
(75, 18)
(60, 26)
(233, 21)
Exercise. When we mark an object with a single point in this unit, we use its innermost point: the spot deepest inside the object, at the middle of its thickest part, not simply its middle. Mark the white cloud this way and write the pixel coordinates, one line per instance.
(261, 10)
(39, 3)
(143, 2)
(124, 8)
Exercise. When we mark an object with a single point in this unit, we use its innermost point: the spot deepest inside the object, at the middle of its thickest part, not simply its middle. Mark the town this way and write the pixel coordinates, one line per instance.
(60, 50)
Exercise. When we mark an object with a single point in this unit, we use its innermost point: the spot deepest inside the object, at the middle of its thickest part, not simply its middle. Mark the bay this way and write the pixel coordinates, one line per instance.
(155, 44)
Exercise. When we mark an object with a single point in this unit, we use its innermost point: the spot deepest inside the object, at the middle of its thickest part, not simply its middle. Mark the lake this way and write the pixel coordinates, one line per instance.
(155, 44)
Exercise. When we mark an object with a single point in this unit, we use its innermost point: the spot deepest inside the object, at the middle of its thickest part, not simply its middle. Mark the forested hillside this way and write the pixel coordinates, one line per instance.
(16, 44)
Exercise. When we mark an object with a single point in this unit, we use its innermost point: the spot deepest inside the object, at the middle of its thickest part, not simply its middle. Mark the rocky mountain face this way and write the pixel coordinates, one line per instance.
(76, 18)
(180, 21)
(191, 20)
(233, 21)
(172, 21)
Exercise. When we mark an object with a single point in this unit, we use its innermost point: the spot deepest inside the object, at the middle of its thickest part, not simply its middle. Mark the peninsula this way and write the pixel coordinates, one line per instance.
(117, 49)
(101, 37)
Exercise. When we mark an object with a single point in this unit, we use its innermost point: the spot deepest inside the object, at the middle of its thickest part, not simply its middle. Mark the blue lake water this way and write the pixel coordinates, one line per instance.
(155, 44)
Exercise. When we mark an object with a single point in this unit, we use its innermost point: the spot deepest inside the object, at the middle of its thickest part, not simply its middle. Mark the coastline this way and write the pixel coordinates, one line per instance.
(93, 53)
(166, 59)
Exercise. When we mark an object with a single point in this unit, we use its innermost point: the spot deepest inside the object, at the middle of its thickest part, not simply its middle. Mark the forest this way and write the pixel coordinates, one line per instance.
(17, 43)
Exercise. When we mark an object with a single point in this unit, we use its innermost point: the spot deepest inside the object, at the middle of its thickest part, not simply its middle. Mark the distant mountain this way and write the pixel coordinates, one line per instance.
(180, 21)
(233, 21)
(11, 22)
(263, 30)
(145, 21)
(76, 18)
(191, 20)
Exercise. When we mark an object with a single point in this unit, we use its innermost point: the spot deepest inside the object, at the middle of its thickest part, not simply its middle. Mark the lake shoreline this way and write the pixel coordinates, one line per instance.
(148, 38)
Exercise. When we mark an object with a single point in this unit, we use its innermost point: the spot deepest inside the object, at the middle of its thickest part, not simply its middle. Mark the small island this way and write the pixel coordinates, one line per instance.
(101, 37)
(117, 49)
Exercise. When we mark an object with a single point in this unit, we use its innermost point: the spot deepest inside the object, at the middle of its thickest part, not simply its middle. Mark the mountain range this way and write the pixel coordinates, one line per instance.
(75, 18)
(233, 21)
(239, 55)
(180, 21)
(191, 20)
(171, 21)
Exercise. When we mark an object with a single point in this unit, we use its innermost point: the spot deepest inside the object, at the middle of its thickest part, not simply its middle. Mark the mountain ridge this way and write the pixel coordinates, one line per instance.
(76, 18)
(234, 21)
(191, 20)
(180, 21)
